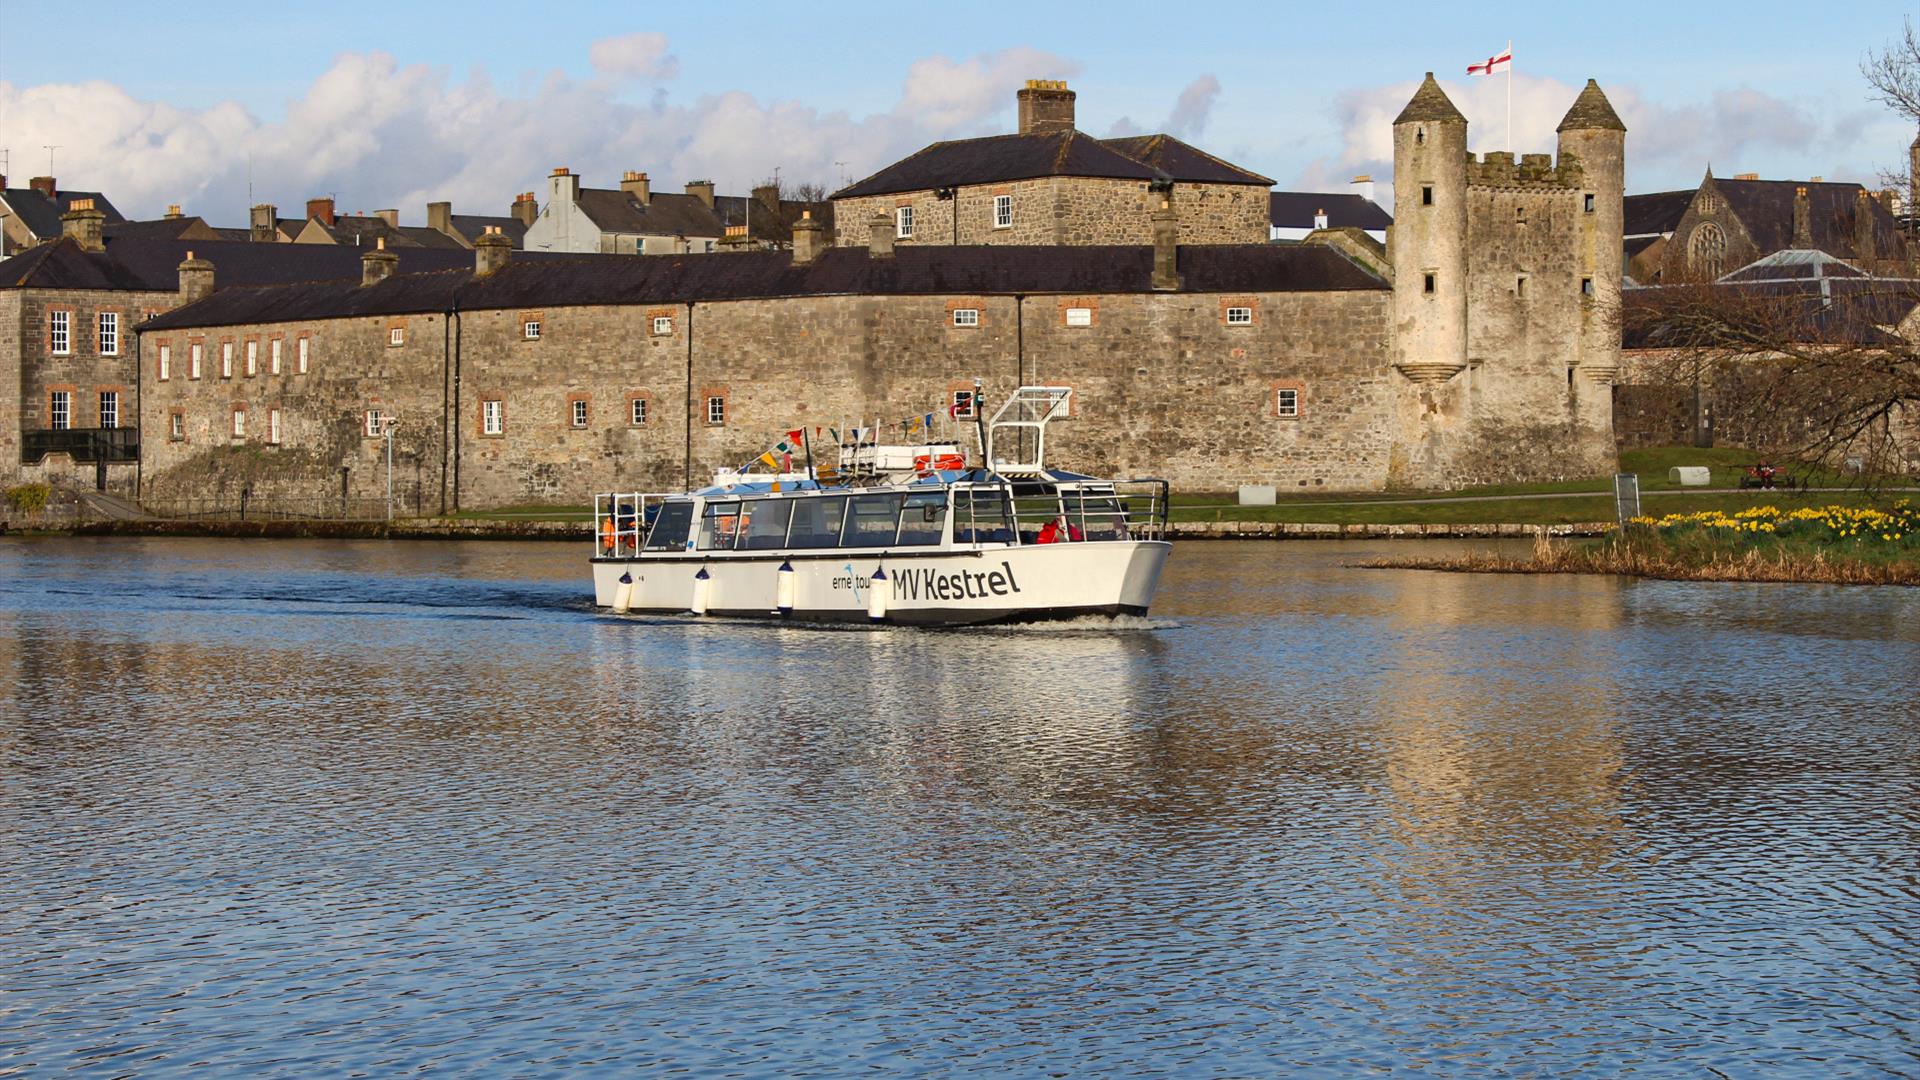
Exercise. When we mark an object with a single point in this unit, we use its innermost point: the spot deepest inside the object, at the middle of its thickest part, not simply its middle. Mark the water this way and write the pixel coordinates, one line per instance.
(294, 809)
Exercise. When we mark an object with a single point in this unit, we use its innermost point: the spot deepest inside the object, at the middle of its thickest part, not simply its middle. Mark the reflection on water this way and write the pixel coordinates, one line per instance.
(320, 808)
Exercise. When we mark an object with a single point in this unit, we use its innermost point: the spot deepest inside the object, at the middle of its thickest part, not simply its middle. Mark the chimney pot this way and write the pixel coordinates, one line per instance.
(85, 225)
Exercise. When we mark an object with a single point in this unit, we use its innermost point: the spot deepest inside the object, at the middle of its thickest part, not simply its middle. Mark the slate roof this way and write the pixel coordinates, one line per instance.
(732, 210)
(1000, 158)
(474, 226)
(157, 229)
(1591, 111)
(1296, 210)
(41, 215)
(365, 231)
(1765, 208)
(1656, 213)
(1184, 162)
(154, 265)
(1429, 103)
(663, 214)
(936, 269)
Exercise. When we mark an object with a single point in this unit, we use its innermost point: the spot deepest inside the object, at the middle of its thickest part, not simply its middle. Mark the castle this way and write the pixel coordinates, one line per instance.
(1478, 347)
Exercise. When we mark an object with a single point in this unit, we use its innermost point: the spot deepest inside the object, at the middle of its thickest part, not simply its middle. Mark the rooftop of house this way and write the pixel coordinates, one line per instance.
(1002, 158)
(474, 226)
(934, 270)
(1299, 209)
(40, 212)
(367, 230)
(1657, 212)
(662, 214)
(153, 265)
(1765, 209)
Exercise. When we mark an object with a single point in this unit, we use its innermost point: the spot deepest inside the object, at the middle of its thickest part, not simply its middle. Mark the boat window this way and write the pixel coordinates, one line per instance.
(1033, 511)
(980, 516)
(871, 521)
(721, 525)
(670, 527)
(765, 523)
(816, 521)
(923, 519)
(1095, 516)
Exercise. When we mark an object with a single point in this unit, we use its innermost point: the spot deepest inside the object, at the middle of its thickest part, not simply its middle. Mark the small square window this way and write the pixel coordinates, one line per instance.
(1428, 283)
(1239, 316)
(903, 222)
(639, 407)
(1079, 316)
(1286, 402)
(716, 410)
(962, 407)
(1426, 194)
(1003, 211)
(662, 325)
(396, 335)
(577, 412)
(1589, 202)
(966, 316)
(531, 329)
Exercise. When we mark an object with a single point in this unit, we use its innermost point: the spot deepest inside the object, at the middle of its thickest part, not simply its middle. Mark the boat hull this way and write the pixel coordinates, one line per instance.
(962, 587)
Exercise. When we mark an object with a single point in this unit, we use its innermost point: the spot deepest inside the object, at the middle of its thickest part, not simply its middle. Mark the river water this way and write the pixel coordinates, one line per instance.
(329, 808)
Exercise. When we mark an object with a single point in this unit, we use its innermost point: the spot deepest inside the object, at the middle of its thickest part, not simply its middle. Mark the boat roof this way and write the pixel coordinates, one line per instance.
(937, 478)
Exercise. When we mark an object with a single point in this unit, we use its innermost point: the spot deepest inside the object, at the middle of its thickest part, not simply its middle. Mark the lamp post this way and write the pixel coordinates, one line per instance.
(387, 424)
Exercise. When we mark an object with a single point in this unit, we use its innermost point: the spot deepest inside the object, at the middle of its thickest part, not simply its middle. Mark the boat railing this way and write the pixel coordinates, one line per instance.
(620, 522)
(1102, 511)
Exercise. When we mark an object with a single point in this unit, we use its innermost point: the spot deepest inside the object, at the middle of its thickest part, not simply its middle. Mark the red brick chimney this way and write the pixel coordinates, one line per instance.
(526, 210)
(320, 210)
(44, 185)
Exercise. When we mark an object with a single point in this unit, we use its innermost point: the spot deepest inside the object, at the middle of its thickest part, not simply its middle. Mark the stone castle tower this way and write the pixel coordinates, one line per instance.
(1506, 297)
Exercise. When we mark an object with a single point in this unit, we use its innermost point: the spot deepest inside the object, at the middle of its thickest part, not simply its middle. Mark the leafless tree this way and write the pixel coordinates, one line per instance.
(778, 203)
(1893, 74)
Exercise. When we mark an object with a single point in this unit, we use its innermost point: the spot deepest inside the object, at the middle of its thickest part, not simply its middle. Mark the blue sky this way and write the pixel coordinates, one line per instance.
(387, 104)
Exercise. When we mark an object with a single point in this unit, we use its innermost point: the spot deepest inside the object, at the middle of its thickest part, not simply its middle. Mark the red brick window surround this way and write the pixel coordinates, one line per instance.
(660, 322)
(961, 401)
(639, 408)
(163, 360)
(532, 325)
(1286, 399)
(396, 333)
(579, 410)
(1239, 311)
(713, 405)
(196, 356)
(60, 331)
(966, 313)
(62, 398)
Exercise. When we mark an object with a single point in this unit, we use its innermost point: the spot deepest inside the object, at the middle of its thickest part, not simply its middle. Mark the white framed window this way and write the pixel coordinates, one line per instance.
(374, 419)
(492, 417)
(165, 363)
(109, 408)
(177, 426)
(396, 335)
(531, 329)
(226, 359)
(194, 352)
(577, 412)
(962, 407)
(662, 325)
(59, 410)
(1239, 316)
(639, 408)
(716, 410)
(1003, 211)
(273, 356)
(60, 332)
(1079, 316)
(273, 425)
(239, 423)
(1286, 402)
(903, 222)
(253, 359)
(300, 356)
(109, 333)
(966, 316)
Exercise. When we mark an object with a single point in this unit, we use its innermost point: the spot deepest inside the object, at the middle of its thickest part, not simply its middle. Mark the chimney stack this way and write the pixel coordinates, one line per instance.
(563, 187)
(173, 212)
(880, 232)
(196, 279)
(391, 217)
(320, 210)
(440, 218)
(525, 210)
(44, 185)
(1863, 226)
(637, 185)
(702, 190)
(377, 265)
(262, 222)
(85, 225)
(1320, 218)
(1363, 187)
(1802, 219)
(809, 240)
(1166, 247)
(491, 251)
(1046, 105)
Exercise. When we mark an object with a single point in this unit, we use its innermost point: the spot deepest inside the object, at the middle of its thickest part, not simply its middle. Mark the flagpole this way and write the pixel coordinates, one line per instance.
(1510, 143)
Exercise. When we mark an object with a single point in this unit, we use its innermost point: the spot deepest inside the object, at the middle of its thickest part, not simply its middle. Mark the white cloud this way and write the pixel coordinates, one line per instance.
(378, 133)
(639, 55)
(1191, 109)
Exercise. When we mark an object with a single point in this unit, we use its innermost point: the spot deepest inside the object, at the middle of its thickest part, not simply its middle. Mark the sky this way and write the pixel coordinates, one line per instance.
(217, 106)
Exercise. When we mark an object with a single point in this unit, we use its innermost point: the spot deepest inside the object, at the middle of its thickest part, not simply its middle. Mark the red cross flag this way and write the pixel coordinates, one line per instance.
(1493, 63)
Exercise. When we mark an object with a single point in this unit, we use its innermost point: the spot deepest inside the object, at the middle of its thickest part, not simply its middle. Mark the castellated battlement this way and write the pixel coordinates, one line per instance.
(1497, 169)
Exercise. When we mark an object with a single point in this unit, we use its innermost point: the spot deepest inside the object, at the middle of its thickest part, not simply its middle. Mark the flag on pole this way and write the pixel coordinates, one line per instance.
(1493, 64)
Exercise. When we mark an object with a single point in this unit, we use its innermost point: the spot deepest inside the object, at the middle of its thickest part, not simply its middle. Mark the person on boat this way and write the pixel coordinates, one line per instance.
(624, 528)
(1057, 530)
(606, 534)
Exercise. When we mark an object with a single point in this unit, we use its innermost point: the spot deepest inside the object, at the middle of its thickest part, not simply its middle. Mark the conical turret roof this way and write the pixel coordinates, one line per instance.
(1591, 112)
(1429, 103)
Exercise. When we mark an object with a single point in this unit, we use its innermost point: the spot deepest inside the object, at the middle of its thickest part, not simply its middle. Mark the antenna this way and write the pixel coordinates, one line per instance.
(50, 150)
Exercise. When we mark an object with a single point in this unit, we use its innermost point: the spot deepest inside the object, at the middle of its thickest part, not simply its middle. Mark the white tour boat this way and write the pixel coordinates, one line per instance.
(911, 533)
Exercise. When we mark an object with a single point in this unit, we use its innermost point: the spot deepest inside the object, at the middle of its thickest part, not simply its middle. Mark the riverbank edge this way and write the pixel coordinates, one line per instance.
(1612, 562)
(443, 529)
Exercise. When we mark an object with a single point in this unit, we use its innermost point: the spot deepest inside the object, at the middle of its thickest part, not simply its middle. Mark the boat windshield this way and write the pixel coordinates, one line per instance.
(981, 516)
(816, 521)
(766, 523)
(1095, 516)
(670, 527)
(720, 526)
(872, 521)
(923, 520)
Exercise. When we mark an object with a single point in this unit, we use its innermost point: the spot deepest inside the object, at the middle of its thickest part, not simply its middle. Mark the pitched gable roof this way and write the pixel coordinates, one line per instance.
(474, 226)
(1297, 210)
(1765, 208)
(1183, 162)
(154, 265)
(999, 158)
(663, 214)
(1656, 213)
(41, 215)
(175, 228)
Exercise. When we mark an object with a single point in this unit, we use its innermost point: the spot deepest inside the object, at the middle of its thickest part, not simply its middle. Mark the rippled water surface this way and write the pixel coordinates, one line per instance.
(329, 808)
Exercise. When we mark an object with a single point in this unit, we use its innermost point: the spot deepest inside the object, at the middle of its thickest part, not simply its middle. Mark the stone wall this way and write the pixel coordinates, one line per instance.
(1065, 210)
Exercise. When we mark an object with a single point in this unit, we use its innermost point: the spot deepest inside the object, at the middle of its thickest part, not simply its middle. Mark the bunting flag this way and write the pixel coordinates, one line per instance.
(768, 459)
(910, 425)
(796, 435)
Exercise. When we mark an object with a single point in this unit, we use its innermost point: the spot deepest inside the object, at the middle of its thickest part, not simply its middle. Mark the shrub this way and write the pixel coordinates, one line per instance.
(29, 498)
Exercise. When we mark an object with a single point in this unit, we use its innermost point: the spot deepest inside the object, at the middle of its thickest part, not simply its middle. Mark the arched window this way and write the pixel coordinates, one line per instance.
(1707, 251)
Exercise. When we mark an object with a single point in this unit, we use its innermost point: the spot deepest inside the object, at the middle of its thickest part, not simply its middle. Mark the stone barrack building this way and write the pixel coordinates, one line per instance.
(1479, 347)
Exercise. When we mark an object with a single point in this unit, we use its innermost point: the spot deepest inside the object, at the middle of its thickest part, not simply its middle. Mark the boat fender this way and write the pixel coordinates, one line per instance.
(784, 588)
(623, 594)
(877, 589)
(702, 591)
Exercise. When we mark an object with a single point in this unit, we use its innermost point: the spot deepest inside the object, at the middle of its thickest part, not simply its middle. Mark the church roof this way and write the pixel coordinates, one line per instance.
(1429, 103)
(1656, 212)
(1591, 112)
